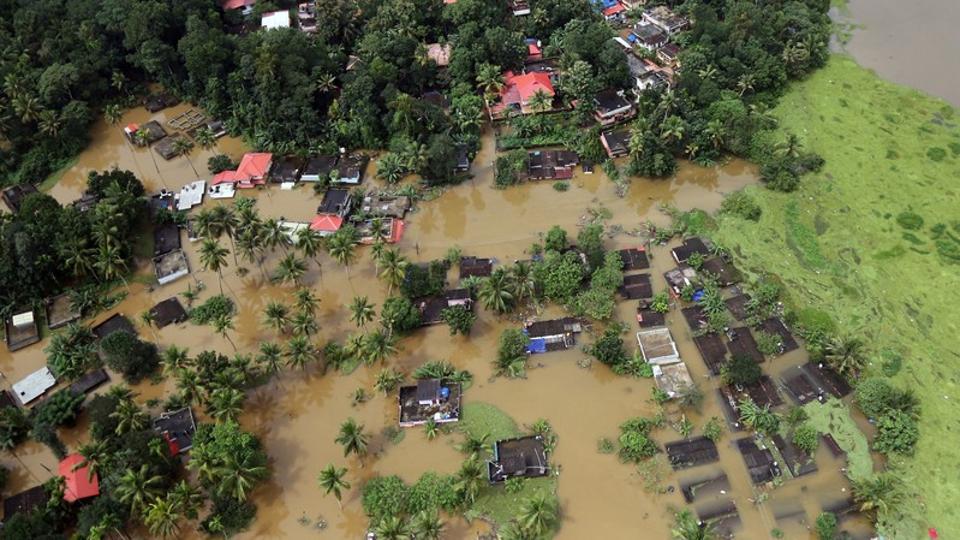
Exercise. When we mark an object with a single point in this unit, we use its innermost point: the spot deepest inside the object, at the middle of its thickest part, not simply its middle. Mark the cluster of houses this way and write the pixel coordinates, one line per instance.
(182, 126)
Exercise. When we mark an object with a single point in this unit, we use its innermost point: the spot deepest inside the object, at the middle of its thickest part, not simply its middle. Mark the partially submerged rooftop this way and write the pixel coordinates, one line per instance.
(429, 399)
(166, 238)
(116, 323)
(381, 204)
(60, 311)
(657, 346)
(432, 307)
(634, 259)
(759, 461)
(776, 327)
(712, 350)
(89, 381)
(25, 501)
(553, 335)
(177, 428)
(21, 330)
(797, 461)
(34, 385)
(168, 312)
(691, 452)
(673, 379)
(335, 202)
(13, 196)
(636, 286)
(690, 246)
(724, 271)
(742, 343)
(827, 379)
(171, 266)
(737, 306)
(764, 392)
(475, 266)
(521, 456)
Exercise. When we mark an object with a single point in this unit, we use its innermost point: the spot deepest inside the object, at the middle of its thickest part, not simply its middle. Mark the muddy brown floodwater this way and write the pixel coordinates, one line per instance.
(911, 43)
(297, 414)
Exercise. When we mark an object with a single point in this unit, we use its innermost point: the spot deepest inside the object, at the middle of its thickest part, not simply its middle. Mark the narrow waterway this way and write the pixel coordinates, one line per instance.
(297, 415)
(911, 43)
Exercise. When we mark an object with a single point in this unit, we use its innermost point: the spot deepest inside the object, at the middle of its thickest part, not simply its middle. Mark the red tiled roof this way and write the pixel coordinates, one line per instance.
(326, 223)
(533, 49)
(251, 172)
(520, 88)
(613, 10)
(78, 482)
(227, 5)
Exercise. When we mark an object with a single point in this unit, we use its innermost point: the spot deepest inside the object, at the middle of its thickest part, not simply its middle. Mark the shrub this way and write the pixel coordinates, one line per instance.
(384, 496)
(400, 314)
(713, 429)
(128, 355)
(609, 347)
(61, 409)
(432, 492)
(514, 485)
(229, 516)
(220, 163)
(561, 186)
(876, 397)
(635, 441)
(741, 370)
(556, 239)
(660, 302)
(72, 352)
(460, 319)
(14, 426)
(558, 276)
(826, 526)
(768, 343)
(909, 220)
(805, 437)
(512, 353)
(419, 281)
(214, 308)
(897, 432)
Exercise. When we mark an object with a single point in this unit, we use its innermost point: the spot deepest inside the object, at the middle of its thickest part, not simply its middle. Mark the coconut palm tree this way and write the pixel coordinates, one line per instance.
(305, 302)
(877, 494)
(540, 101)
(95, 455)
(174, 359)
(300, 352)
(522, 279)
(672, 129)
(226, 404)
(110, 263)
(475, 445)
(496, 292)
(223, 323)
(129, 417)
(378, 346)
(332, 482)
(355, 346)
(80, 258)
(352, 438)
(470, 479)
(112, 113)
(205, 138)
(361, 311)
(489, 80)
(745, 83)
(791, 147)
(310, 244)
(393, 268)
(270, 357)
(161, 517)
(189, 386)
(393, 528)
(142, 138)
(277, 316)
(274, 235)
(213, 257)
(182, 147)
(341, 248)
(249, 245)
(391, 168)
(137, 488)
(50, 124)
(238, 474)
(845, 355)
(304, 324)
(427, 525)
(538, 514)
(224, 221)
(290, 269)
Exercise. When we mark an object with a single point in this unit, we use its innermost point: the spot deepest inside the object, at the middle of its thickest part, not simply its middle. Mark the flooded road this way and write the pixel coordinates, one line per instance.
(913, 43)
(298, 414)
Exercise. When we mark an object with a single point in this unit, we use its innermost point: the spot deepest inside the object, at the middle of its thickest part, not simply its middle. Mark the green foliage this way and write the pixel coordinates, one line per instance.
(713, 429)
(61, 409)
(14, 426)
(606, 446)
(768, 343)
(806, 438)
(561, 186)
(760, 419)
(386, 496)
(219, 163)
(399, 314)
(635, 442)
(72, 352)
(741, 370)
(608, 348)
(512, 353)
(910, 220)
(230, 462)
(514, 485)
(826, 526)
(558, 276)
(442, 370)
(556, 239)
(590, 242)
(128, 355)
(420, 281)
(742, 205)
(228, 516)
(212, 309)
(876, 397)
(660, 302)
(897, 432)
(459, 318)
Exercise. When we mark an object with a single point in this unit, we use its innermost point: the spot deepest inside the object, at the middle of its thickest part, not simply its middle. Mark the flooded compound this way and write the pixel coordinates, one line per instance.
(911, 44)
(297, 414)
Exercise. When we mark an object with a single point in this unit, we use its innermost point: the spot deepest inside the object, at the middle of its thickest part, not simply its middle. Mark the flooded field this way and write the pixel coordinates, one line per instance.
(297, 414)
(912, 44)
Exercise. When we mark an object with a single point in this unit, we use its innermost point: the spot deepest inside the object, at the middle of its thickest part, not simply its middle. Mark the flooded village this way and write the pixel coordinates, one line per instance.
(691, 406)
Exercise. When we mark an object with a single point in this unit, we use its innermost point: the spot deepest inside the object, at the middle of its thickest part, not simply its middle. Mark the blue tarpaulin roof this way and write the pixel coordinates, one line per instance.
(537, 345)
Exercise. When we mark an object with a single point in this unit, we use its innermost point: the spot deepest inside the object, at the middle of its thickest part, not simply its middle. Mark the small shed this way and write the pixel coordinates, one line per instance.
(60, 311)
(21, 330)
(673, 379)
(166, 238)
(168, 312)
(827, 379)
(737, 306)
(34, 385)
(177, 428)
(725, 273)
(764, 392)
(167, 147)
(797, 461)
(657, 346)
(79, 481)
(648, 318)
(475, 266)
(13, 196)
(759, 461)
(521, 456)
(776, 327)
(799, 386)
(89, 381)
(712, 350)
(429, 399)
(742, 343)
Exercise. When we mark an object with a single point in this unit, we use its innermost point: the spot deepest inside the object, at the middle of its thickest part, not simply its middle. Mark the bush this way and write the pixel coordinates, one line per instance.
(61, 409)
(384, 496)
(826, 526)
(805, 437)
(897, 432)
(512, 353)
(229, 516)
(556, 239)
(420, 281)
(214, 308)
(713, 429)
(220, 163)
(660, 302)
(14, 426)
(768, 343)
(609, 347)
(741, 370)
(561, 186)
(876, 397)
(460, 319)
(100, 411)
(432, 492)
(635, 441)
(400, 314)
(128, 355)
(558, 276)
(741, 204)
(72, 352)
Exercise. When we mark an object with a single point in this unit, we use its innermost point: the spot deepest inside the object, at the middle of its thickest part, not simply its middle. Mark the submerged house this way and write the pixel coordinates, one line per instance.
(384, 205)
(334, 208)
(60, 311)
(673, 379)
(616, 143)
(429, 399)
(34, 385)
(13, 196)
(518, 92)
(555, 335)
(657, 346)
(177, 429)
(475, 266)
(350, 169)
(432, 307)
(390, 230)
(611, 107)
(167, 312)
(251, 172)
(518, 457)
(171, 266)
(21, 330)
(79, 482)
(285, 170)
(551, 164)
(318, 168)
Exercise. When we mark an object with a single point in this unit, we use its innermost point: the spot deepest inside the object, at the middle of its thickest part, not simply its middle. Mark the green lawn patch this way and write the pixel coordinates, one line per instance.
(482, 418)
(895, 292)
(496, 504)
(833, 417)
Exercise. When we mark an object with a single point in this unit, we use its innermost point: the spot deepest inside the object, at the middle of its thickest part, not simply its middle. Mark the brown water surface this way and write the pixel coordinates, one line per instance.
(297, 414)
